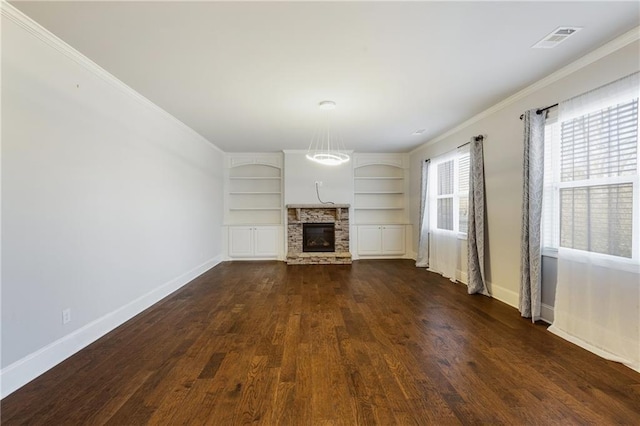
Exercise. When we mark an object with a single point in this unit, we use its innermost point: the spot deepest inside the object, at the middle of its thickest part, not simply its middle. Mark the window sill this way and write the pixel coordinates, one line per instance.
(550, 252)
(458, 235)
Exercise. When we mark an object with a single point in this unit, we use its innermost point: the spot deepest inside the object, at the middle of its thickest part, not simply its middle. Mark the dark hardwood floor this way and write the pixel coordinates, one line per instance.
(377, 342)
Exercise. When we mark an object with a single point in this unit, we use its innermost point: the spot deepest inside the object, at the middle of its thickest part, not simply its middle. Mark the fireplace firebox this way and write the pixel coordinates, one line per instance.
(318, 237)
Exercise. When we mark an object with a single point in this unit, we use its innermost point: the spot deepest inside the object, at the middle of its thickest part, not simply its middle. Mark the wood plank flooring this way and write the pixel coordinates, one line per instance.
(377, 342)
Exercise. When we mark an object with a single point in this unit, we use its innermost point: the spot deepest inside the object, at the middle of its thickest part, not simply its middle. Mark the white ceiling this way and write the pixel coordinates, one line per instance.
(249, 76)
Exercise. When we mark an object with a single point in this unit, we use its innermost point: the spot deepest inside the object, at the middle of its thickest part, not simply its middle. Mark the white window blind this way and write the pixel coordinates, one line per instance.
(596, 206)
(591, 174)
(450, 177)
(550, 208)
(445, 195)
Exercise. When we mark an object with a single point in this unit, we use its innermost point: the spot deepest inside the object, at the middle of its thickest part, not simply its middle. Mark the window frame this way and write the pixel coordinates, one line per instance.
(556, 185)
(450, 195)
(455, 195)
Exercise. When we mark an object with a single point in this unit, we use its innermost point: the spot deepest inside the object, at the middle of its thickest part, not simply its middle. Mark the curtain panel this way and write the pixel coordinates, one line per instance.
(475, 234)
(422, 259)
(532, 184)
(597, 304)
(444, 246)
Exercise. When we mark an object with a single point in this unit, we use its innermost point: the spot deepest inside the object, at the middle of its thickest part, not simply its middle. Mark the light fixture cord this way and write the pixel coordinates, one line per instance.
(318, 195)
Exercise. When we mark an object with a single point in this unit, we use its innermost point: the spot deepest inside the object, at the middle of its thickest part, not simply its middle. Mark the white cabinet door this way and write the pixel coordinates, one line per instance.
(369, 240)
(381, 240)
(240, 241)
(265, 241)
(253, 241)
(393, 241)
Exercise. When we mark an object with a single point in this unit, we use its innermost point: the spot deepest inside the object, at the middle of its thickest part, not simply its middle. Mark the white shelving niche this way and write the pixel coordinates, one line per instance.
(381, 205)
(254, 190)
(253, 201)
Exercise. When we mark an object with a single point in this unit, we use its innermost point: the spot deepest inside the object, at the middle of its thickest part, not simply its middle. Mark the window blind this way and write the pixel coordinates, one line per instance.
(595, 148)
(445, 193)
(598, 219)
(445, 178)
(600, 144)
(550, 207)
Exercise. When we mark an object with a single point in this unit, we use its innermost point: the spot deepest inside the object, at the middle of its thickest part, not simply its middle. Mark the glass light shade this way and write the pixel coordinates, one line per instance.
(333, 158)
(325, 148)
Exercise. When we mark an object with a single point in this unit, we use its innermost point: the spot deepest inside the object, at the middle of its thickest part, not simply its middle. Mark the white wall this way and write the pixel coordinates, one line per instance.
(503, 161)
(108, 203)
(300, 175)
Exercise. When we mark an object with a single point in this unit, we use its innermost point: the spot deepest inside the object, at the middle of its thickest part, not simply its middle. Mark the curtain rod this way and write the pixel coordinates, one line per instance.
(477, 138)
(541, 110)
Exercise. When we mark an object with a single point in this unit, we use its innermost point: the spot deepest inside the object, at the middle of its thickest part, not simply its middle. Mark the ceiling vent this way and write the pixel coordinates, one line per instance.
(556, 37)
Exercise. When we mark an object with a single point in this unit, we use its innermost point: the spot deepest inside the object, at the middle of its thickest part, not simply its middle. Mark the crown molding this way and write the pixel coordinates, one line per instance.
(591, 57)
(304, 151)
(38, 31)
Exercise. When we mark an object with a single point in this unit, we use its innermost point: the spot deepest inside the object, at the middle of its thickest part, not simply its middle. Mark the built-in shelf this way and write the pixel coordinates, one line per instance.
(378, 224)
(380, 189)
(253, 224)
(255, 178)
(378, 178)
(254, 208)
(254, 193)
(379, 208)
(253, 189)
(378, 192)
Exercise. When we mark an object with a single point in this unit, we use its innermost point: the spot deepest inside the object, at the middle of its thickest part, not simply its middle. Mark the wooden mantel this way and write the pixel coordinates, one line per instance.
(337, 207)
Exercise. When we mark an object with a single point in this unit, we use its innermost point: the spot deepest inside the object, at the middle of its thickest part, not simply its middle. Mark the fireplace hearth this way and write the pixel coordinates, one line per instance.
(318, 237)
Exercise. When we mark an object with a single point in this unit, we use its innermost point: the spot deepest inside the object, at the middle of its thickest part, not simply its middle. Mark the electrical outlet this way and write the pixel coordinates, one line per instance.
(66, 316)
(319, 182)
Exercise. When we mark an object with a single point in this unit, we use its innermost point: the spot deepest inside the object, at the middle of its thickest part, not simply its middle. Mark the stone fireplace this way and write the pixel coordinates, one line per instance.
(324, 222)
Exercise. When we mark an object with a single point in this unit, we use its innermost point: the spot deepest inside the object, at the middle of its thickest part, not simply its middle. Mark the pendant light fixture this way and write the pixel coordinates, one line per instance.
(326, 147)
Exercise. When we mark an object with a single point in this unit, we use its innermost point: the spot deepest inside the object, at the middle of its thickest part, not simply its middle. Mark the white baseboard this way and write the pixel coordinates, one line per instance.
(251, 259)
(21, 372)
(512, 298)
(504, 295)
(546, 313)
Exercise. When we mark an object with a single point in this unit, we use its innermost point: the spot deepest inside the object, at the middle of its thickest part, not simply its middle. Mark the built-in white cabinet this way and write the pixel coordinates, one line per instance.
(381, 240)
(253, 205)
(381, 204)
(254, 241)
(380, 189)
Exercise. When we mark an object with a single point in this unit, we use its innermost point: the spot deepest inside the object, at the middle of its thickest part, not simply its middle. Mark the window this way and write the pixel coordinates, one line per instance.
(450, 191)
(591, 175)
(445, 196)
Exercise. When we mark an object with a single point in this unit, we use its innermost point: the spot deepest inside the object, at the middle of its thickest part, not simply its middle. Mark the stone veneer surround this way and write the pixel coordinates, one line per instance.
(297, 214)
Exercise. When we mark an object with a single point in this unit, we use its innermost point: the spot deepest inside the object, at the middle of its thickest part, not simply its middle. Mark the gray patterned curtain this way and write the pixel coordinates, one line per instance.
(475, 235)
(422, 260)
(533, 173)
